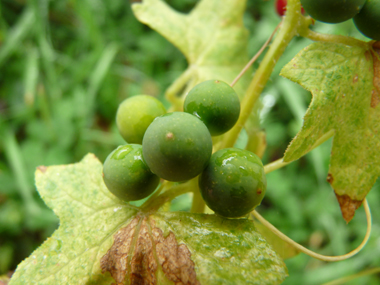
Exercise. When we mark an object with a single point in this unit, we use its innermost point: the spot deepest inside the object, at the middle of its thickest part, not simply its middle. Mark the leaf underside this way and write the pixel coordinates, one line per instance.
(102, 240)
(344, 82)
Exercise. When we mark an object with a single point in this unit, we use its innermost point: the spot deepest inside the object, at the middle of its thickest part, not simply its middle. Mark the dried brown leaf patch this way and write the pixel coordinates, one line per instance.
(140, 250)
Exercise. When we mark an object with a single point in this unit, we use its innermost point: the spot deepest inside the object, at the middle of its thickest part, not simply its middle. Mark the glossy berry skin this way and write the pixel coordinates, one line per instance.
(126, 174)
(332, 11)
(177, 146)
(215, 103)
(135, 114)
(368, 20)
(233, 183)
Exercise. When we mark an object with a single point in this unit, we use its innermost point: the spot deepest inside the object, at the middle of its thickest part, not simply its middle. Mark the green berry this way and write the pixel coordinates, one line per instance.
(177, 146)
(215, 103)
(135, 114)
(368, 20)
(332, 11)
(233, 183)
(126, 174)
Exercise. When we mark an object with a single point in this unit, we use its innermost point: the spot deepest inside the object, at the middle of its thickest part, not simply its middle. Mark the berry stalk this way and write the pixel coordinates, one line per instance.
(291, 26)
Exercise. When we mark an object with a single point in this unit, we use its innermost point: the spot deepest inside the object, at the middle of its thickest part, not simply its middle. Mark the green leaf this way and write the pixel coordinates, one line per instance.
(212, 37)
(192, 249)
(100, 236)
(89, 216)
(345, 103)
(224, 250)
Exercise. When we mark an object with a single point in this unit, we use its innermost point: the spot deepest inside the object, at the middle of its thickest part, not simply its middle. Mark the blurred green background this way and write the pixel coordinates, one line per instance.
(65, 65)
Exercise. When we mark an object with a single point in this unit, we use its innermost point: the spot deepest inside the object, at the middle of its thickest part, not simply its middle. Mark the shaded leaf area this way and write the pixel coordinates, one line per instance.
(89, 216)
(212, 37)
(344, 82)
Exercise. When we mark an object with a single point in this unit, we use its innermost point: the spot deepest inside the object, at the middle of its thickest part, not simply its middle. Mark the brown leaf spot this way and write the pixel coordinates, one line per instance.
(330, 178)
(115, 261)
(375, 98)
(367, 55)
(355, 79)
(259, 191)
(376, 44)
(348, 206)
(42, 168)
(175, 259)
(141, 265)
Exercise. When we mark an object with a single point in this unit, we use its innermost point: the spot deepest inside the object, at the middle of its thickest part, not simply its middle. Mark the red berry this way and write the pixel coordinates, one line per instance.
(281, 7)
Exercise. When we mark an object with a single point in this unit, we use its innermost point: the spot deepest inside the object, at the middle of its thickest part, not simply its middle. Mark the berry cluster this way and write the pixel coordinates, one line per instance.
(365, 13)
(177, 147)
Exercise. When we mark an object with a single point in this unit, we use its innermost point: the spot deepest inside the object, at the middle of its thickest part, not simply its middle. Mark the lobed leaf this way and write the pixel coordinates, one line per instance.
(212, 37)
(344, 82)
(89, 216)
(102, 240)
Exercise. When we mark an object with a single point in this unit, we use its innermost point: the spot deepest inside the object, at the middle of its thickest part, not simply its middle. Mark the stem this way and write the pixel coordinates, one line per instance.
(163, 186)
(156, 201)
(345, 280)
(292, 23)
(198, 205)
(255, 57)
(176, 87)
(314, 36)
(277, 164)
(312, 253)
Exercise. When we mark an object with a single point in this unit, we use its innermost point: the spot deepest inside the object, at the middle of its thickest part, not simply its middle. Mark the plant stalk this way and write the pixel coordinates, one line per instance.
(292, 23)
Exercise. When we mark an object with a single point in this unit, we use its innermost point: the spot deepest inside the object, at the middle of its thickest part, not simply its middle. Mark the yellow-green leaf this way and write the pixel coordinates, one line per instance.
(89, 216)
(342, 80)
(101, 240)
(212, 37)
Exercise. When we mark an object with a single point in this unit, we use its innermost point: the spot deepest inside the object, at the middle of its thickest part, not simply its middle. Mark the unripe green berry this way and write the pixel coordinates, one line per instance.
(177, 146)
(126, 174)
(215, 103)
(332, 11)
(135, 114)
(368, 20)
(233, 183)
